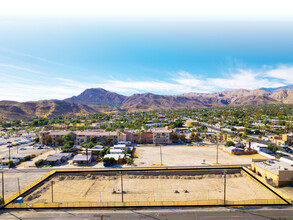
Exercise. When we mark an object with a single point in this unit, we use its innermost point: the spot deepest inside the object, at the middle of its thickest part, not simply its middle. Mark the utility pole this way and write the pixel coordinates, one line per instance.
(161, 155)
(224, 187)
(217, 157)
(18, 186)
(275, 149)
(9, 152)
(121, 186)
(52, 191)
(87, 157)
(3, 187)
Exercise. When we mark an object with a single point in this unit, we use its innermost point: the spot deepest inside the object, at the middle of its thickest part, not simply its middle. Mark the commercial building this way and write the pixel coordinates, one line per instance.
(287, 138)
(157, 136)
(275, 172)
(82, 136)
(161, 136)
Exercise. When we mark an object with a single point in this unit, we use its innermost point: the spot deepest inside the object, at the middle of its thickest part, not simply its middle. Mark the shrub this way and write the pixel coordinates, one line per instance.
(129, 161)
(229, 143)
(1, 200)
(271, 147)
(39, 162)
(109, 161)
(128, 151)
(11, 164)
(28, 157)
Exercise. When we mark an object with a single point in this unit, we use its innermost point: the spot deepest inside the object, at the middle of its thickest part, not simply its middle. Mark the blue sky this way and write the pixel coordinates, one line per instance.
(59, 55)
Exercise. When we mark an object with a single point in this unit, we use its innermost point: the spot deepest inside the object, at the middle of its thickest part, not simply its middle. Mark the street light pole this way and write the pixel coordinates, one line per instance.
(161, 155)
(225, 187)
(52, 191)
(121, 187)
(18, 186)
(9, 152)
(275, 149)
(3, 187)
(217, 158)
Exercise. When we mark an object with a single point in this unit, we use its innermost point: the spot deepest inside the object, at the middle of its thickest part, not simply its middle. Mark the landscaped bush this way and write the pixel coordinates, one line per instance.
(11, 164)
(109, 162)
(129, 161)
(28, 157)
(39, 162)
(128, 151)
(230, 143)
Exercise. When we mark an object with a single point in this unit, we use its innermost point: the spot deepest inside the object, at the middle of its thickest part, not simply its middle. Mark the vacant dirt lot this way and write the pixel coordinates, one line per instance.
(167, 187)
(25, 178)
(187, 156)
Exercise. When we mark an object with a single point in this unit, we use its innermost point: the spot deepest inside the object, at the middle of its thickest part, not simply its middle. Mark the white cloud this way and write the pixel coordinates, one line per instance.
(243, 79)
(29, 56)
(283, 72)
(20, 88)
(5, 65)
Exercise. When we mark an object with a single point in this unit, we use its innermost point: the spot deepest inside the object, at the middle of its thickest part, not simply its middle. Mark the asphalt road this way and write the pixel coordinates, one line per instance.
(218, 213)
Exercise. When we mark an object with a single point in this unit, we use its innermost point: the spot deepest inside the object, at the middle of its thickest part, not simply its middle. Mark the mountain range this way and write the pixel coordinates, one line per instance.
(97, 100)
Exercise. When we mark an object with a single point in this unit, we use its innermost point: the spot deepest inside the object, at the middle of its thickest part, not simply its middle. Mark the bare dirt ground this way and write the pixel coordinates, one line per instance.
(96, 188)
(25, 178)
(180, 155)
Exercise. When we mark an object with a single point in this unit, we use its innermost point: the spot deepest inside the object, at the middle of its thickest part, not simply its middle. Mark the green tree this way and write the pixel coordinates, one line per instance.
(68, 142)
(129, 161)
(174, 137)
(93, 139)
(182, 137)
(272, 147)
(203, 128)
(249, 140)
(91, 145)
(194, 137)
(109, 161)
(230, 143)
(109, 140)
(128, 151)
(11, 164)
(59, 140)
(48, 140)
(37, 139)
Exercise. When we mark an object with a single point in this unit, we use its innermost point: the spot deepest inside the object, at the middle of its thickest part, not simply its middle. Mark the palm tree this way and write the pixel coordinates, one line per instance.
(249, 140)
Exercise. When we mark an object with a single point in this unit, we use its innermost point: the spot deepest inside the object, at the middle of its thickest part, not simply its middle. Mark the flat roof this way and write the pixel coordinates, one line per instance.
(82, 157)
(95, 133)
(274, 165)
(53, 158)
(115, 156)
(116, 150)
